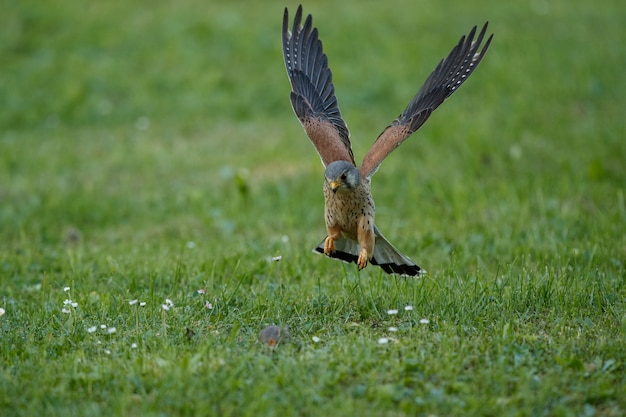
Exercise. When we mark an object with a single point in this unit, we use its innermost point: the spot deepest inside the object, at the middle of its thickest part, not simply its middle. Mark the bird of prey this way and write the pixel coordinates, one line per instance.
(349, 205)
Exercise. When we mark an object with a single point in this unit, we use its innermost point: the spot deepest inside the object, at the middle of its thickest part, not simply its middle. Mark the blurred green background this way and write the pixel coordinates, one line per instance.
(113, 111)
(148, 149)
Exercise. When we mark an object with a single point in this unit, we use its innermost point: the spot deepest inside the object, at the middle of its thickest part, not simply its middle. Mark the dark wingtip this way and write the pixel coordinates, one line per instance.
(297, 20)
(285, 26)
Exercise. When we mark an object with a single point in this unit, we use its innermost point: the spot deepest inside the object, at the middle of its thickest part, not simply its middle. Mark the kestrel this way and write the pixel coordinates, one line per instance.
(349, 205)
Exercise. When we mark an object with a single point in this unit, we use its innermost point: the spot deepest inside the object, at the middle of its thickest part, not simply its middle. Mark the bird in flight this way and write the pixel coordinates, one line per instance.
(349, 205)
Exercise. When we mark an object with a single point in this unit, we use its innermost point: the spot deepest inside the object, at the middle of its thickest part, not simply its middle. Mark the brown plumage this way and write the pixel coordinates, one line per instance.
(349, 206)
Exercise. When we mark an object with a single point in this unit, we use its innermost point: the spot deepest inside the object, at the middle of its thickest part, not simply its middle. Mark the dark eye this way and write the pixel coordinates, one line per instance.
(343, 177)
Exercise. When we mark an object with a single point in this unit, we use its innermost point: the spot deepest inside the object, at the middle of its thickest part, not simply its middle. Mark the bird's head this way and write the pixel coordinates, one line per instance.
(342, 176)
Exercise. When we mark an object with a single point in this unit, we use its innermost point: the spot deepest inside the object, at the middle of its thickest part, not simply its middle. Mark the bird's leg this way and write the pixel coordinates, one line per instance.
(329, 245)
(334, 233)
(366, 240)
(362, 261)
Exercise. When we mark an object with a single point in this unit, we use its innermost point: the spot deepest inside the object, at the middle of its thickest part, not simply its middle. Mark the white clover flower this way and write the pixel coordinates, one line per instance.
(201, 291)
(133, 346)
(107, 351)
(208, 305)
(165, 307)
(316, 339)
(66, 289)
(169, 302)
(424, 321)
(2, 311)
(103, 326)
(111, 330)
(392, 312)
(133, 302)
(69, 302)
(408, 308)
(92, 329)
(383, 341)
(393, 329)
(276, 258)
(142, 304)
(66, 311)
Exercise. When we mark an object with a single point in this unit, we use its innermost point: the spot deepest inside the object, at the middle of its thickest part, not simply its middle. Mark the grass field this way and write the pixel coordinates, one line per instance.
(151, 167)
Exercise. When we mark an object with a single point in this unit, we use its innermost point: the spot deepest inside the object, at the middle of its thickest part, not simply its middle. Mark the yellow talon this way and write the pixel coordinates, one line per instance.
(362, 261)
(329, 246)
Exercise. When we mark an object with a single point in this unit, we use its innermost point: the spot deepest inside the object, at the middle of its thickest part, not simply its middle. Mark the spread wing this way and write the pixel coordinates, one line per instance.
(313, 94)
(440, 84)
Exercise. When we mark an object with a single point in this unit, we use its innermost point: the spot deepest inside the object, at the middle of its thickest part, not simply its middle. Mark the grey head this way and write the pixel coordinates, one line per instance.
(342, 176)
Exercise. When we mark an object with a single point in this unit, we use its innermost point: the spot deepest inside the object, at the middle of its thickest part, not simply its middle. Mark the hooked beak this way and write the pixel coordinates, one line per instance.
(334, 185)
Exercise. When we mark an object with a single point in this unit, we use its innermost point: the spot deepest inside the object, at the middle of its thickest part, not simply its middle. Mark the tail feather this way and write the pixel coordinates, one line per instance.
(386, 256)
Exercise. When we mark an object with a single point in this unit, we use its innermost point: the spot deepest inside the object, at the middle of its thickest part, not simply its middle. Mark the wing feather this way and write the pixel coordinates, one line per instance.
(447, 77)
(313, 94)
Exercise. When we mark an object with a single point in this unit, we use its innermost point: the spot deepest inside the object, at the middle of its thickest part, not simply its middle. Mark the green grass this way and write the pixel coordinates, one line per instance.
(148, 150)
